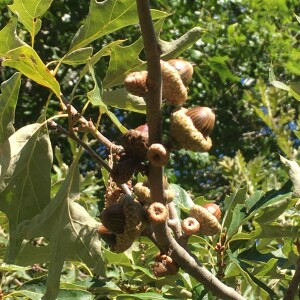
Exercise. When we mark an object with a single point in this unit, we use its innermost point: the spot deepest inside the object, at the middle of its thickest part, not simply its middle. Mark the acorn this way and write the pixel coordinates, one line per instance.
(135, 142)
(203, 119)
(109, 237)
(113, 218)
(135, 83)
(134, 223)
(173, 89)
(186, 135)
(123, 170)
(214, 209)
(209, 225)
(184, 68)
(164, 265)
(190, 226)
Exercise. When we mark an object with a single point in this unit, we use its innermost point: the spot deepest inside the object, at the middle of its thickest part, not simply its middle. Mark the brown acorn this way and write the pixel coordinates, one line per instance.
(135, 83)
(164, 265)
(214, 209)
(113, 218)
(184, 68)
(203, 119)
(135, 142)
(209, 225)
(184, 133)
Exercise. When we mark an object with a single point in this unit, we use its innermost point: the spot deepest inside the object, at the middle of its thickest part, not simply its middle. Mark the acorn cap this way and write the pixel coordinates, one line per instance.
(209, 225)
(134, 223)
(173, 89)
(135, 143)
(184, 68)
(186, 135)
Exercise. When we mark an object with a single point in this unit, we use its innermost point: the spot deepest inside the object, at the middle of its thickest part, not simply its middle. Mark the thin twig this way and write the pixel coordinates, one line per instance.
(90, 126)
(294, 284)
(92, 153)
(165, 240)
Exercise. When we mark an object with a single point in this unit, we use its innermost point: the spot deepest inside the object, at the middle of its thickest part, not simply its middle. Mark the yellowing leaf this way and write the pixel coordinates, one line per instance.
(8, 37)
(27, 61)
(29, 12)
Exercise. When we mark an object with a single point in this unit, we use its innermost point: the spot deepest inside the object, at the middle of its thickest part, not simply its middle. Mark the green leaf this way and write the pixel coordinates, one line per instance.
(238, 197)
(30, 254)
(175, 48)
(8, 37)
(95, 97)
(294, 89)
(273, 211)
(123, 60)
(258, 286)
(238, 216)
(219, 65)
(182, 199)
(272, 196)
(276, 83)
(142, 296)
(78, 57)
(120, 98)
(29, 12)
(25, 168)
(106, 17)
(8, 101)
(27, 61)
(71, 230)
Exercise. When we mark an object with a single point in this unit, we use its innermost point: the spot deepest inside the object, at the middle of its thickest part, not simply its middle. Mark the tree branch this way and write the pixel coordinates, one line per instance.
(165, 240)
(294, 284)
(89, 126)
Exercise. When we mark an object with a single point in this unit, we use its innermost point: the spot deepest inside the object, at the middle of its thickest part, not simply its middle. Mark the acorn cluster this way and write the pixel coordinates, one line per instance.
(125, 217)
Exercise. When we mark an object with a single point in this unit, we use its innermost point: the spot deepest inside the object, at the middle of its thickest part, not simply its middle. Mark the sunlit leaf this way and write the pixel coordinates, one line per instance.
(95, 97)
(27, 61)
(258, 286)
(182, 199)
(78, 57)
(105, 17)
(276, 83)
(238, 197)
(142, 296)
(120, 98)
(8, 37)
(29, 12)
(8, 101)
(294, 89)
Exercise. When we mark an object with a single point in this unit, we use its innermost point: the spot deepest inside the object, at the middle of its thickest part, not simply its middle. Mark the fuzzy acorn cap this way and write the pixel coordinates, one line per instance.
(135, 143)
(173, 90)
(186, 135)
(158, 155)
(134, 223)
(209, 225)
(142, 191)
